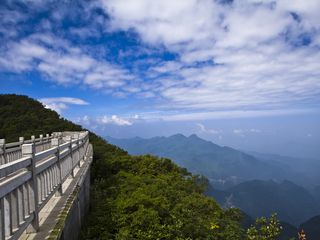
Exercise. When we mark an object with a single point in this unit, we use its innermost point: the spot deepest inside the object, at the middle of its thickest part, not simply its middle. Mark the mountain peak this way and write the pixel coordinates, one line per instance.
(193, 136)
(178, 135)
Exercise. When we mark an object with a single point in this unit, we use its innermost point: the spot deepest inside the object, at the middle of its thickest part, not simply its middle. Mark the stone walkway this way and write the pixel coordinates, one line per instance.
(49, 214)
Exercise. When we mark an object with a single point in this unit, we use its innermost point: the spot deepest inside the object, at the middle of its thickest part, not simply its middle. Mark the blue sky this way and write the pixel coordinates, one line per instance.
(241, 73)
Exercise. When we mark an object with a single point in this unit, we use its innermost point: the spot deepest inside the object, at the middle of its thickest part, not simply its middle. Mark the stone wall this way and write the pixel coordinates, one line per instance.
(78, 210)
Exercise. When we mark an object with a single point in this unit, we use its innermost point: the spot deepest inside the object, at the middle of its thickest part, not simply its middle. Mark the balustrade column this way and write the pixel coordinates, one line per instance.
(55, 142)
(47, 141)
(76, 155)
(21, 140)
(41, 142)
(3, 155)
(4, 217)
(69, 139)
(28, 150)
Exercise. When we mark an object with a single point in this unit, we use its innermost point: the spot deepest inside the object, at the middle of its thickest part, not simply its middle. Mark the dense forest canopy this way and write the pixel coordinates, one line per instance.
(141, 197)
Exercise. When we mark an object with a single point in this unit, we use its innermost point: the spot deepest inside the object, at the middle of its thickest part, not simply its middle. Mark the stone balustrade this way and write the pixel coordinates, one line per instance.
(12, 151)
(31, 172)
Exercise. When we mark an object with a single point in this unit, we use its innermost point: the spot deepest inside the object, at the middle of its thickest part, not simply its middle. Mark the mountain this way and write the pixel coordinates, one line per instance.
(289, 232)
(304, 172)
(258, 198)
(312, 228)
(224, 166)
(316, 192)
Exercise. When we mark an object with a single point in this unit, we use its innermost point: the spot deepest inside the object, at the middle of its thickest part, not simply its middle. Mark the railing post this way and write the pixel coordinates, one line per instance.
(69, 139)
(41, 142)
(79, 151)
(28, 150)
(21, 140)
(76, 152)
(47, 141)
(3, 159)
(5, 217)
(55, 142)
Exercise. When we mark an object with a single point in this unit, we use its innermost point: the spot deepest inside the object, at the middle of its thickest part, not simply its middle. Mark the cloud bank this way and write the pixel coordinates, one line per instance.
(256, 56)
(243, 54)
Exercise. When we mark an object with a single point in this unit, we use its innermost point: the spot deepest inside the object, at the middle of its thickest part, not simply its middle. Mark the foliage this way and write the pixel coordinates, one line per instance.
(152, 198)
(265, 229)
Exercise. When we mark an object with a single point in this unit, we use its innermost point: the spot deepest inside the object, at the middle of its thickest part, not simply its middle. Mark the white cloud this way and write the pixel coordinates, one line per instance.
(207, 130)
(243, 132)
(61, 103)
(228, 114)
(69, 100)
(102, 123)
(58, 107)
(114, 119)
(254, 43)
(162, 21)
(238, 131)
(254, 130)
(60, 62)
(206, 23)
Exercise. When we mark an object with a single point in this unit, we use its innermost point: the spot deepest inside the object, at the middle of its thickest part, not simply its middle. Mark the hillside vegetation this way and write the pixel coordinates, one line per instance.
(238, 179)
(142, 197)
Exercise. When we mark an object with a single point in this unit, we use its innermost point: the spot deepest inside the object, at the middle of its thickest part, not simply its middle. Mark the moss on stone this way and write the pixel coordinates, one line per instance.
(64, 213)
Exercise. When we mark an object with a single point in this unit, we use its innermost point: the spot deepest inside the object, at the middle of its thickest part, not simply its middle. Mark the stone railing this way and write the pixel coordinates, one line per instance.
(12, 151)
(32, 174)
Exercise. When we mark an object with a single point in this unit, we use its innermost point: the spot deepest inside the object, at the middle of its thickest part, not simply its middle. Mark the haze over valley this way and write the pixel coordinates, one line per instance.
(259, 184)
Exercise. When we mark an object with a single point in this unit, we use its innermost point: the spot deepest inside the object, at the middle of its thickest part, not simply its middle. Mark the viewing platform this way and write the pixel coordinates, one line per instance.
(44, 186)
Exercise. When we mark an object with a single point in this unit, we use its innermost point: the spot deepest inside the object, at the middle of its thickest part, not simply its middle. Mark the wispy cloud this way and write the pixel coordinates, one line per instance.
(114, 119)
(204, 129)
(227, 114)
(60, 62)
(242, 132)
(59, 104)
(100, 122)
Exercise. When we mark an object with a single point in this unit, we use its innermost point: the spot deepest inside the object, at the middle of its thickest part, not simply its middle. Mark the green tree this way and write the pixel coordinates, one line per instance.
(265, 229)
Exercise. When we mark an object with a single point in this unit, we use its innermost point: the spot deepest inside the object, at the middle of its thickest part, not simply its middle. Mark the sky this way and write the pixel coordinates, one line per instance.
(245, 74)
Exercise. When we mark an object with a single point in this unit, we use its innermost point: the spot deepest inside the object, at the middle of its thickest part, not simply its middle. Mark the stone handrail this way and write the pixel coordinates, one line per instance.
(12, 151)
(27, 183)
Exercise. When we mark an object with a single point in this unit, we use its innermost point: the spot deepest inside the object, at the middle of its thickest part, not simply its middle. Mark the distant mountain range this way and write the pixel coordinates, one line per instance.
(223, 166)
(305, 172)
(256, 183)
